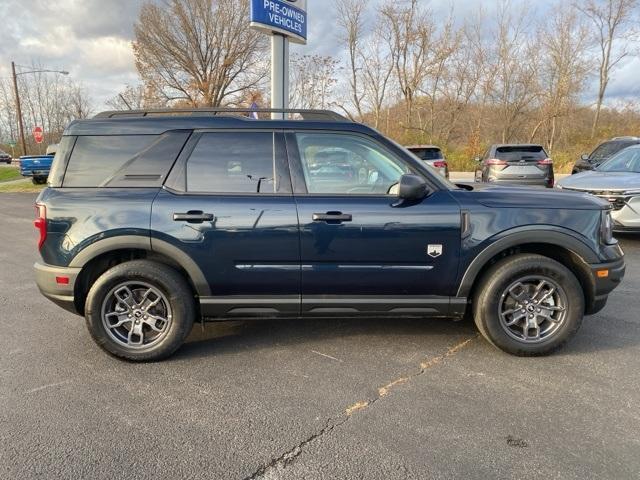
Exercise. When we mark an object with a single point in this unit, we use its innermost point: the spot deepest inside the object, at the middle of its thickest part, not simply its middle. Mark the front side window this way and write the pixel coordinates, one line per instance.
(347, 164)
(240, 162)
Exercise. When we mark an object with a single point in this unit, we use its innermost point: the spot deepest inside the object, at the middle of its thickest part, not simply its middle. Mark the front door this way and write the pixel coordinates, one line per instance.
(361, 252)
(231, 210)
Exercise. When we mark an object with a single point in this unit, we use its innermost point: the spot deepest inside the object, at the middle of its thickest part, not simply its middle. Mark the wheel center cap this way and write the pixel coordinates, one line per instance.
(531, 308)
(137, 314)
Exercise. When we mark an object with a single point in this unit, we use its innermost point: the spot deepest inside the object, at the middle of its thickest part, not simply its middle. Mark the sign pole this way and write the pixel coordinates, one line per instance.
(279, 74)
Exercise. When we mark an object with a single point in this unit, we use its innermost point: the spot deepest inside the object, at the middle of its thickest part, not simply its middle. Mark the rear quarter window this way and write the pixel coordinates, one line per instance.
(123, 160)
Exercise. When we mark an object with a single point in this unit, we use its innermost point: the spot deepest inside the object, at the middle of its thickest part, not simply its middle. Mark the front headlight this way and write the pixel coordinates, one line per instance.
(606, 228)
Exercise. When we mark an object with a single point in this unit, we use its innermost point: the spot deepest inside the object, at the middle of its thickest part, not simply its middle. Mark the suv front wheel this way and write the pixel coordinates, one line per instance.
(528, 305)
(140, 310)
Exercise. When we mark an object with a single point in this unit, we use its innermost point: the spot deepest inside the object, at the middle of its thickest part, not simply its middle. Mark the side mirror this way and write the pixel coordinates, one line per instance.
(412, 187)
(584, 157)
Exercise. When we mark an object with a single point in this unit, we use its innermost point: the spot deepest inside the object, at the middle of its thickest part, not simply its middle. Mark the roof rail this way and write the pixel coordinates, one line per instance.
(305, 114)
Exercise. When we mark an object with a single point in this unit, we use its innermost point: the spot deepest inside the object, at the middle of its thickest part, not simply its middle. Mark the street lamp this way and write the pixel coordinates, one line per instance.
(18, 108)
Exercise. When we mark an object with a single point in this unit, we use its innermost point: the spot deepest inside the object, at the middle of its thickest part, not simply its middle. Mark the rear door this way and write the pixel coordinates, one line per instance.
(361, 253)
(228, 205)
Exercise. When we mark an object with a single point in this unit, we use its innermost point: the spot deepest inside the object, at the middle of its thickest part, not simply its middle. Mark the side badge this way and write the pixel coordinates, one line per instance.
(434, 251)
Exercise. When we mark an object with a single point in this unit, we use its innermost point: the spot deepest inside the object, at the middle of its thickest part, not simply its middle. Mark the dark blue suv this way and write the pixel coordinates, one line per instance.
(154, 219)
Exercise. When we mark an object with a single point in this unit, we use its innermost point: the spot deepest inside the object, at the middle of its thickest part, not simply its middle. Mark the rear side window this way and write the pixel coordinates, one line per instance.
(530, 153)
(232, 162)
(60, 161)
(123, 160)
(427, 153)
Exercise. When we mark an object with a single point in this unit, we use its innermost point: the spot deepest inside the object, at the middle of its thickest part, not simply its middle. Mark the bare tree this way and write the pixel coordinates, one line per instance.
(48, 100)
(563, 41)
(612, 20)
(351, 23)
(377, 70)
(515, 59)
(199, 51)
(312, 82)
(133, 97)
(410, 31)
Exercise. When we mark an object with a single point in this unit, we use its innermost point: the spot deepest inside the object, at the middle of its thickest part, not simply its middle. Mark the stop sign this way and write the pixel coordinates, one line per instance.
(38, 134)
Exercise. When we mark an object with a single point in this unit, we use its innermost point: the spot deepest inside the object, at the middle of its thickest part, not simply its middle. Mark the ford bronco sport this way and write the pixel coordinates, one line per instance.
(155, 219)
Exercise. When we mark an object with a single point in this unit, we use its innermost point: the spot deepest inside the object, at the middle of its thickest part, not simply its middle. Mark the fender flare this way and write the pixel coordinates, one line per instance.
(137, 242)
(554, 237)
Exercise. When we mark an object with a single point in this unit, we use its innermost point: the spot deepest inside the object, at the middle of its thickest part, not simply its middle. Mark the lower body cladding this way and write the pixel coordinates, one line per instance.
(319, 306)
(58, 285)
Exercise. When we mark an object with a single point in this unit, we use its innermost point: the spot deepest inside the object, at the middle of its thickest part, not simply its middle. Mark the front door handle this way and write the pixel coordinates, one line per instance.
(332, 217)
(193, 216)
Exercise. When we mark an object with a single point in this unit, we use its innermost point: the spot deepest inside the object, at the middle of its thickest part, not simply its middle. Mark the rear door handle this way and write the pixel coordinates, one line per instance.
(193, 216)
(332, 217)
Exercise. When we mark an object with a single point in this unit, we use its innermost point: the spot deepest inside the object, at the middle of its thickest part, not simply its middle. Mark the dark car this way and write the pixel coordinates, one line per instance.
(5, 157)
(602, 153)
(432, 156)
(516, 164)
(154, 220)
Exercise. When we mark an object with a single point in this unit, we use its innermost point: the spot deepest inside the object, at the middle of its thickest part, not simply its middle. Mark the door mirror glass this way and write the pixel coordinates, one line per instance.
(412, 187)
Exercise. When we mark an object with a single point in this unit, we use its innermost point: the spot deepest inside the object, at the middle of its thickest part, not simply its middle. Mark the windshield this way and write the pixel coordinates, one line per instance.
(627, 160)
(608, 149)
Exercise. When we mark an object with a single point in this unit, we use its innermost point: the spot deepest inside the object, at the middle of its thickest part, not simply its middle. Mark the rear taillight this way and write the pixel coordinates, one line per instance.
(546, 161)
(41, 223)
(494, 162)
(440, 164)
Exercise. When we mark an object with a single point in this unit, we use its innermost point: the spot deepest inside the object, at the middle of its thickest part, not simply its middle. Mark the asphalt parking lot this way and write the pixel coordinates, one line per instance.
(379, 399)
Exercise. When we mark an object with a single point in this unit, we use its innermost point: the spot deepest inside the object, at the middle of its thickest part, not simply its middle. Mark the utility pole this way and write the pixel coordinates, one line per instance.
(18, 108)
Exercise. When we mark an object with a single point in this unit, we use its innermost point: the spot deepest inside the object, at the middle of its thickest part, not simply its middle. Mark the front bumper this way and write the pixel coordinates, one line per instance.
(627, 218)
(62, 294)
(604, 285)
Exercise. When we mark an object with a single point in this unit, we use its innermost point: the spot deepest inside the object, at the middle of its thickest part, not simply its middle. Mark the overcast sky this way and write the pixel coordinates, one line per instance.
(92, 39)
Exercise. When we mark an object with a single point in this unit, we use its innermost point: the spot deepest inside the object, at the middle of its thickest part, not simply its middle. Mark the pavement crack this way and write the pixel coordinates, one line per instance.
(272, 469)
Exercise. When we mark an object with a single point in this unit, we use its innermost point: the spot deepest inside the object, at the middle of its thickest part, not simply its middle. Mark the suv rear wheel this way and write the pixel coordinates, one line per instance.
(528, 305)
(140, 310)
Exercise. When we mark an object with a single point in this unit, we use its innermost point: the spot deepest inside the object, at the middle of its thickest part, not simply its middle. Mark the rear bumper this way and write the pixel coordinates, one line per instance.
(59, 293)
(537, 182)
(605, 285)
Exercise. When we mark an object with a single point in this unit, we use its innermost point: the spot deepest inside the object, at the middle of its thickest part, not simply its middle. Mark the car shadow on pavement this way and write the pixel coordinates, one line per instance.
(220, 338)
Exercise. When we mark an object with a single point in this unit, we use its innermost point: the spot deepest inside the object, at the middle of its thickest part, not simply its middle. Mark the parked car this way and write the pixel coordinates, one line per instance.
(5, 157)
(432, 156)
(153, 220)
(516, 164)
(618, 181)
(38, 166)
(602, 153)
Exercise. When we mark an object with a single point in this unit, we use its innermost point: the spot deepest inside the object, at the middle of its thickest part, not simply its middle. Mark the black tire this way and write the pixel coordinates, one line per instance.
(39, 180)
(164, 279)
(496, 281)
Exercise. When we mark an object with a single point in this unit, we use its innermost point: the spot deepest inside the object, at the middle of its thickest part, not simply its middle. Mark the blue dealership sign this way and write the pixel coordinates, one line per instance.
(288, 17)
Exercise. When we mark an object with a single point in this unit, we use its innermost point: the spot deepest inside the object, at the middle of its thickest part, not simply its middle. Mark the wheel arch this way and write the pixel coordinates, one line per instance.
(562, 247)
(104, 254)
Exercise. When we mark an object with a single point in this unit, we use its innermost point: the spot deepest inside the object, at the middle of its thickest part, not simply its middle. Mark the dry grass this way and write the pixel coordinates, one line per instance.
(24, 186)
